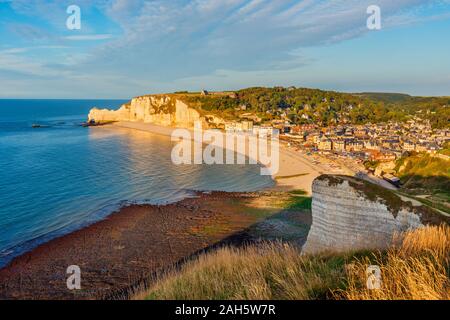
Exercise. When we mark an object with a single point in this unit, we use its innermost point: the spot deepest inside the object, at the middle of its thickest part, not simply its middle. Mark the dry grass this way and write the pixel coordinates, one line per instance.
(270, 271)
(416, 268)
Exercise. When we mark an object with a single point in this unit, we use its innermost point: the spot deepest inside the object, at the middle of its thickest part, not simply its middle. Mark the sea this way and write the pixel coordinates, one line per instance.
(57, 176)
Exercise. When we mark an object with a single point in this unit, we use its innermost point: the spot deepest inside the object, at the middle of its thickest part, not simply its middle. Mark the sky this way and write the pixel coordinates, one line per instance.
(127, 48)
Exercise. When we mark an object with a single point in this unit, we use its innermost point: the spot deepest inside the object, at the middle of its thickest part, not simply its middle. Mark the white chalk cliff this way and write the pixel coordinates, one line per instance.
(162, 110)
(351, 214)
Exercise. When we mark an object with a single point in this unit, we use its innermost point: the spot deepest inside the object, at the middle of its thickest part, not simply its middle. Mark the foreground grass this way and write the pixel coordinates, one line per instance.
(272, 271)
(416, 268)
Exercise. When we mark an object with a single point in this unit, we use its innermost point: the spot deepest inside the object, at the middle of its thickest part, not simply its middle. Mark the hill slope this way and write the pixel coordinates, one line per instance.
(416, 268)
(424, 171)
(386, 97)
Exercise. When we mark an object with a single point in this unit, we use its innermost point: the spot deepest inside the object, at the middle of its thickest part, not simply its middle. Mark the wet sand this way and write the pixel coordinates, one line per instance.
(129, 245)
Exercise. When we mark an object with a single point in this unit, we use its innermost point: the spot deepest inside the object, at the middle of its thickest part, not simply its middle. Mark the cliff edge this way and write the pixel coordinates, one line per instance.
(164, 110)
(352, 214)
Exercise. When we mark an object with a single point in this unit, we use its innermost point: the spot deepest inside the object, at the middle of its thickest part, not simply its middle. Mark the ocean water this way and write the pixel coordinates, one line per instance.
(61, 177)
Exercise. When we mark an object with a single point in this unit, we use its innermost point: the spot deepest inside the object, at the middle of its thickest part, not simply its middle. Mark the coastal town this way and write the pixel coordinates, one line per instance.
(351, 146)
(351, 134)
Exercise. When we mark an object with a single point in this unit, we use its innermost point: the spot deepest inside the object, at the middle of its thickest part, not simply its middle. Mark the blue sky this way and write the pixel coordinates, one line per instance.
(132, 47)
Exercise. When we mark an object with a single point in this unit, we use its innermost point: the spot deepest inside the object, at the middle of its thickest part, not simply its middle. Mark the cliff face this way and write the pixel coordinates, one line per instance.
(162, 110)
(351, 214)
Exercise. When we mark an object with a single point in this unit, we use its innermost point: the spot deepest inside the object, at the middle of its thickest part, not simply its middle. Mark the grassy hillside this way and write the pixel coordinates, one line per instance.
(417, 267)
(446, 150)
(424, 171)
(386, 97)
(426, 178)
(303, 105)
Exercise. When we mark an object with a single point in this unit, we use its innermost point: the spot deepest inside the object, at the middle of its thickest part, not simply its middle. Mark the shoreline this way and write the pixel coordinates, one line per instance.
(295, 171)
(137, 242)
(95, 245)
(100, 246)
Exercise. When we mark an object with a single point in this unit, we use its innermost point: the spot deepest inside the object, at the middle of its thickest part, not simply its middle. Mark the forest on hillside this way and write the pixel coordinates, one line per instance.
(302, 105)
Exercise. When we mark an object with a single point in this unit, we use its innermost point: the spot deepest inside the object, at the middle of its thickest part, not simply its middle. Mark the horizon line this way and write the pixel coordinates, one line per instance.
(228, 90)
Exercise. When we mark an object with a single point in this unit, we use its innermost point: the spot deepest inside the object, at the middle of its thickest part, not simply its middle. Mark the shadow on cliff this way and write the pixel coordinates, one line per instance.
(298, 206)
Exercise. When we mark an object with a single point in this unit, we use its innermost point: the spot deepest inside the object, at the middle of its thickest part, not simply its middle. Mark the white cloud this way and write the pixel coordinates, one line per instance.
(166, 42)
(12, 61)
(89, 37)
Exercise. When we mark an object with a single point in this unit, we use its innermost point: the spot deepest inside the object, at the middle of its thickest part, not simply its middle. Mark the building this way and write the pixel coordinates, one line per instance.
(390, 143)
(409, 146)
(354, 146)
(230, 126)
(244, 126)
(316, 138)
(361, 133)
(264, 131)
(325, 145)
(313, 138)
(348, 132)
(296, 130)
(247, 126)
(432, 148)
(382, 156)
(371, 145)
(421, 148)
(339, 145)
